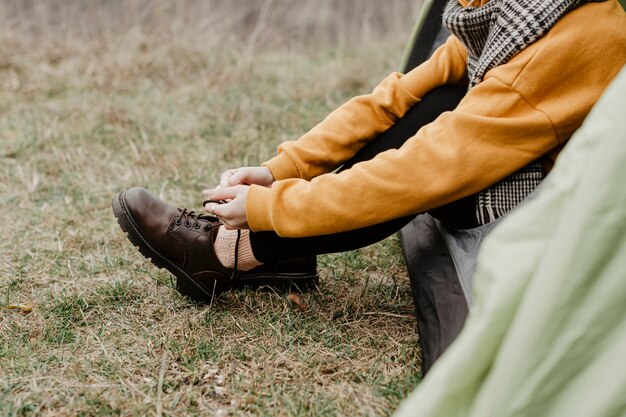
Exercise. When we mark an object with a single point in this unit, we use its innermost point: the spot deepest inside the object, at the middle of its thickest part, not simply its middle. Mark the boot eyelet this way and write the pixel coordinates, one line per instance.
(196, 225)
(187, 223)
(177, 222)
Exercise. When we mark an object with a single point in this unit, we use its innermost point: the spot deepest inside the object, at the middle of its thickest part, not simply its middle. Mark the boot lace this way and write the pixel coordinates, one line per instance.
(192, 219)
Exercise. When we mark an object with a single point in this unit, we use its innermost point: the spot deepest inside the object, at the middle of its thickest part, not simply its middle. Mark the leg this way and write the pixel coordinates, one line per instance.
(187, 243)
(268, 246)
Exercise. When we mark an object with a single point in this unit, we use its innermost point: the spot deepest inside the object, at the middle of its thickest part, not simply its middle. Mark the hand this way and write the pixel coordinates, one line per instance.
(233, 213)
(247, 176)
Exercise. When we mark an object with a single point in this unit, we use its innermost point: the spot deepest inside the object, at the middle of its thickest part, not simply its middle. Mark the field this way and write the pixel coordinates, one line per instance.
(100, 96)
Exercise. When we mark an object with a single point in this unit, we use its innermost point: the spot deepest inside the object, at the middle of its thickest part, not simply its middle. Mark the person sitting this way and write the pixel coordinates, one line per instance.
(465, 136)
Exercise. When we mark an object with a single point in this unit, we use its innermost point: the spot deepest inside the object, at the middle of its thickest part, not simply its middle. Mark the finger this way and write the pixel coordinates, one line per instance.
(220, 211)
(209, 192)
(239, 177)
(227, 193)
(228, 227)
(224, 212)
(224, 179)
(211, 208)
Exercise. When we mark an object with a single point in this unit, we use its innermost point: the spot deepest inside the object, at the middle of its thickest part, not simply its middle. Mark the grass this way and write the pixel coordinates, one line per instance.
(108, 335)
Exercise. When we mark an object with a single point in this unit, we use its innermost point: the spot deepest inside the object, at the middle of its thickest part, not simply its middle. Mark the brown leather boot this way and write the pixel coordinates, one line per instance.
(181, 241)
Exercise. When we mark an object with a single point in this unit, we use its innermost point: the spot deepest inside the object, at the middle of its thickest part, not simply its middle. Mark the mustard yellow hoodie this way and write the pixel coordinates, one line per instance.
(522, 110)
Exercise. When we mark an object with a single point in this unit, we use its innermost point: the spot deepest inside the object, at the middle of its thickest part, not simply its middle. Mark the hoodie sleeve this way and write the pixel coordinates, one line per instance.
(460, 153)
(521, 111)
(346, 130)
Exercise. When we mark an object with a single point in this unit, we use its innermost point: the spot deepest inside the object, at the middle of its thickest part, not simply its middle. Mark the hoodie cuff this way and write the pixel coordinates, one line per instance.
(258, 208)
(282, 167)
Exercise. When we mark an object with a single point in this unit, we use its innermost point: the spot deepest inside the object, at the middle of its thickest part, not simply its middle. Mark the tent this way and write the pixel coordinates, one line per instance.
(440, 262)
(547, 334)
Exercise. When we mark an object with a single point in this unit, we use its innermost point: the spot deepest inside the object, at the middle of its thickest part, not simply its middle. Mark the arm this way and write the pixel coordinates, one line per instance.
(523, 110)
(347, 129)
(491, 134)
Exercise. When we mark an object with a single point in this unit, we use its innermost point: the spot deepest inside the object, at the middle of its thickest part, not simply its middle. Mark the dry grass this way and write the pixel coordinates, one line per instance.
(94, 100)
(239, 23)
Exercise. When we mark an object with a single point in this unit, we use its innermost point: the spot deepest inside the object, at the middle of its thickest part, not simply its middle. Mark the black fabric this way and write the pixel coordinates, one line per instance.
(439, 302)
(428, 35)
(268, 246)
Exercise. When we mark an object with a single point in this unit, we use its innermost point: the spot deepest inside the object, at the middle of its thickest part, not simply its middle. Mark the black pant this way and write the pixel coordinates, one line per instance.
(268, 246)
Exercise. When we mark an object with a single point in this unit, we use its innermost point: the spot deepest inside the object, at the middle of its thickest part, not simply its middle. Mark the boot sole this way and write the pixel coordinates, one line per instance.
(188, 286)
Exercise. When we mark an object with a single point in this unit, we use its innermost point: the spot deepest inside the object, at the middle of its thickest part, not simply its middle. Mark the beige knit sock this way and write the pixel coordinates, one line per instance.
(225, 249)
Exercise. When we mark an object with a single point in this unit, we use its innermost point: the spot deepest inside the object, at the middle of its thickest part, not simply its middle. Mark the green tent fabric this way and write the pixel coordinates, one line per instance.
(547, 334)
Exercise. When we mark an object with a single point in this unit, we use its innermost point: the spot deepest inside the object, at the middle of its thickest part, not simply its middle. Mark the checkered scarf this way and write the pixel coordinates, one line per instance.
(493, 34)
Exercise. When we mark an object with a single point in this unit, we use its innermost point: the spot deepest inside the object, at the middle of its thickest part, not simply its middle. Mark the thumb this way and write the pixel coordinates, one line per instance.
(225, 177)
(239, 177)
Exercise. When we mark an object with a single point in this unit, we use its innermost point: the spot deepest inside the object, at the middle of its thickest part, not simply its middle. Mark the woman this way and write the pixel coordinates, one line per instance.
(476, 127)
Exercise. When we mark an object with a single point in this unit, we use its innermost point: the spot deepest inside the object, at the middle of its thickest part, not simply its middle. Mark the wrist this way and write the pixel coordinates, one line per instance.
(269, 175)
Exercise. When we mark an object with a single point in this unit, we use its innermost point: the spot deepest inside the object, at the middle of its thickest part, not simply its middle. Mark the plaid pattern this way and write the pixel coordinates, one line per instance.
(505, 195)
(493, 33)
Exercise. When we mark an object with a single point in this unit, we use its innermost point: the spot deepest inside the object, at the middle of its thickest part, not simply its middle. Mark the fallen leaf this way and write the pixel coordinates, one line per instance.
(23, 308)
(298, 301)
